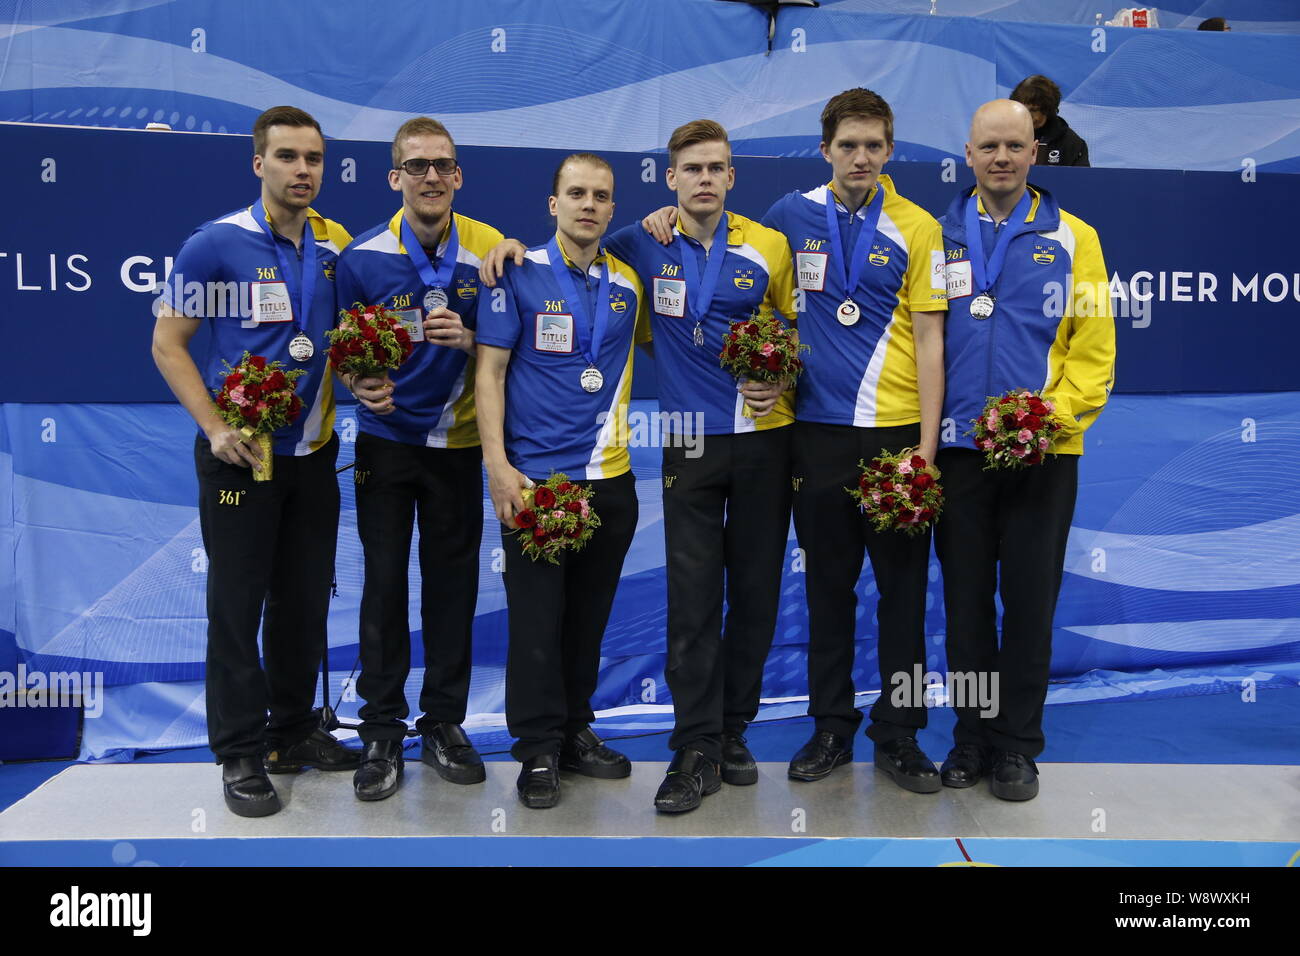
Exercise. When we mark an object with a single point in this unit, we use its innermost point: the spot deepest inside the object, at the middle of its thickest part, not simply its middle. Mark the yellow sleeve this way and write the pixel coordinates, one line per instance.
(477, 237)
(780, 294)
(1082, 359)
(927, 290)
(642, 333)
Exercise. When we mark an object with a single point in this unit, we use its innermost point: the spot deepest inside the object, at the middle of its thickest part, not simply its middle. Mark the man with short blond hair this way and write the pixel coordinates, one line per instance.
(727, 502)
(693, 133)
(418, 462)
(417, 126)
(555, 377)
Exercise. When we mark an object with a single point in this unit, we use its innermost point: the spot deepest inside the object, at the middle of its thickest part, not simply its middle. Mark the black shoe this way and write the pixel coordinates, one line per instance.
(966, 766)
(539, 782)
(247, 788)
(908, 765)
(586, 754)
(819, 756)
(691, 777)
(738, 766)
(1015, 777)
(320, 750)
(447, 750)
(382, 765)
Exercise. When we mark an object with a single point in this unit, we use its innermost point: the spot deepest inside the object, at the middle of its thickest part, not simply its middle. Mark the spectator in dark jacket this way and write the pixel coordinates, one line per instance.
(1058, 145)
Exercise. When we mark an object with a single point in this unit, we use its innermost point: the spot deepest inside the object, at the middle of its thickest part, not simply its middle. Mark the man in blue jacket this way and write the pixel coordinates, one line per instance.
(418, 463)
(1028, 308)
(270, 543)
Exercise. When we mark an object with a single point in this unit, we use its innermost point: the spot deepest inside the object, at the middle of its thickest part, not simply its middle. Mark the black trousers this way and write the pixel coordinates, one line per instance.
(834, 535)
(398, 485)
(270, 548)
(557, 619)
(1005, 531)
(726, 520)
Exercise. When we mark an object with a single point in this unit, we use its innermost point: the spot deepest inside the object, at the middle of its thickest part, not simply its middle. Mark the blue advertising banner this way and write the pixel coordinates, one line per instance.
(1203, 280)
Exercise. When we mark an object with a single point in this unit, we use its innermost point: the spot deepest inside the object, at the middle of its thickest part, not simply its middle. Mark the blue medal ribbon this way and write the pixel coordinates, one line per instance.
(852, 269)
(299, 298)
(590, 332)
(440, 279)
(987, 271)
(700, 296)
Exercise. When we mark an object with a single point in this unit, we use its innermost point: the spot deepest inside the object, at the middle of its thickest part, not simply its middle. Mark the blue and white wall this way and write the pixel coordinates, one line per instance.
(1183, 556)
(622, 74)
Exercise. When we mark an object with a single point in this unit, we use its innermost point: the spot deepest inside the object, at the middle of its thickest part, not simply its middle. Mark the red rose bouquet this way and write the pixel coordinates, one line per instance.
(557, 515)
(899, 492)
(1015, 430)
(256, 398)
(368, 341)
(762, 348)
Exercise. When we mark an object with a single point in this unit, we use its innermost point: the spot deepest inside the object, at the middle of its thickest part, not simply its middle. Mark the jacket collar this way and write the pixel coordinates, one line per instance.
(735, 235)
(1044, 214)
(882, 182)
(319, 227)
(596, 263)
(395, 227)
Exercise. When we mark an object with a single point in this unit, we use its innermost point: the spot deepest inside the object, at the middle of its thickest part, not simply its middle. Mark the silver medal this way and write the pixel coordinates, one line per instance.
(591, 379)
(982, 306)
(301, 348)
(435, 298)
(848, 312)
(699, 335)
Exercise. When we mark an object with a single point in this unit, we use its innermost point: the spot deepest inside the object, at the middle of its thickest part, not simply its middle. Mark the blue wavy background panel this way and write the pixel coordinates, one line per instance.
(1185, 541)
(1183, 554)
(622, 74)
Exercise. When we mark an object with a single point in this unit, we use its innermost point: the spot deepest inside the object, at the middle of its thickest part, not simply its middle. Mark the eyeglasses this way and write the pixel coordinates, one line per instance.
(420, 167)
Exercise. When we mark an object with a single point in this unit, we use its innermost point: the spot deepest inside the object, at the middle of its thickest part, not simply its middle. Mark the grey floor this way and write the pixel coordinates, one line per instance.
(1103, 801)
